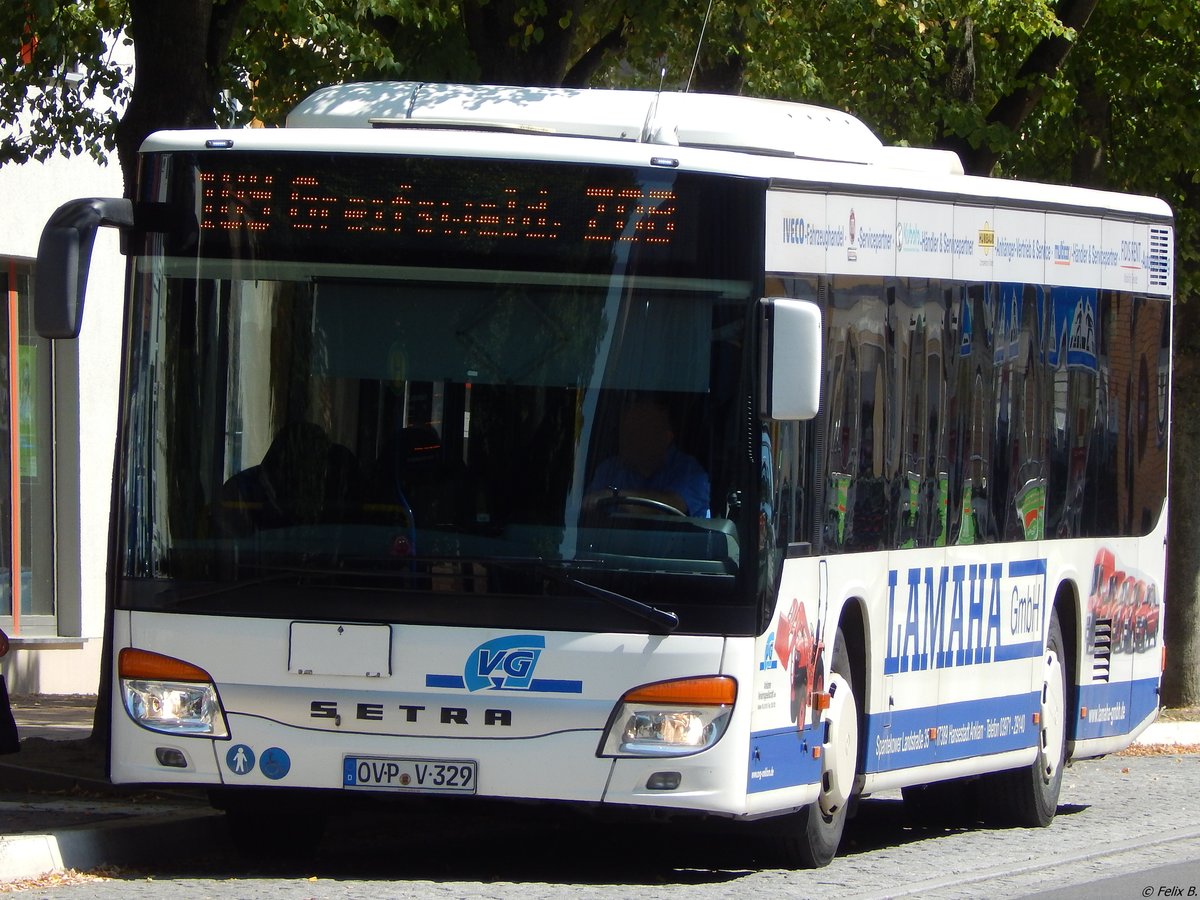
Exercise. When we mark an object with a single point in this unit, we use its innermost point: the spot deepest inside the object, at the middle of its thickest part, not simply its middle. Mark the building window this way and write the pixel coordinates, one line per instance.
(27, 595)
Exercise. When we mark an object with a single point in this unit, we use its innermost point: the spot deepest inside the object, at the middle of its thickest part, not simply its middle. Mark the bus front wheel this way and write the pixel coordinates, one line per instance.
(812, 835)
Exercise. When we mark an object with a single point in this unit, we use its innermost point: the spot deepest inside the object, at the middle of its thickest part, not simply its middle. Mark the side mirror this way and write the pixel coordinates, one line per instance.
(791, 361)
(64, 256)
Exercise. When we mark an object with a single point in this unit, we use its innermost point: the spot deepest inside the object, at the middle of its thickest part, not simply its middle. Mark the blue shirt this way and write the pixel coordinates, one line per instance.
(680, 474)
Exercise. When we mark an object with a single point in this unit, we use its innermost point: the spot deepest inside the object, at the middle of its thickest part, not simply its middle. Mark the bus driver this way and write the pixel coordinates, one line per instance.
(648, 465)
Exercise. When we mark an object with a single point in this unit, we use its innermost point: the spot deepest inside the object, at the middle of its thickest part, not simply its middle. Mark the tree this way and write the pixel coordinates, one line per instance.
(1058, 89)
(202, 62)
(61, 90)
(1074, 91)
(169, 39)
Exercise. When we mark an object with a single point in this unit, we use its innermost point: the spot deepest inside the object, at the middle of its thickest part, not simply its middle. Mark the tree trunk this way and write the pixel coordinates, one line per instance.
(1092, 114)
(1181, 680)
(178, 50)
(1014, 108)
(501, 52)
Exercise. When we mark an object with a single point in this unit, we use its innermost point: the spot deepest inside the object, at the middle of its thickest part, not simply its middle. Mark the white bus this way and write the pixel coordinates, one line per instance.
(697, 455)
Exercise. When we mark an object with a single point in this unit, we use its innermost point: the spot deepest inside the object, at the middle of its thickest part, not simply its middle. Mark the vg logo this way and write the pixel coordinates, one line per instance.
(505, 663)
(768, 660)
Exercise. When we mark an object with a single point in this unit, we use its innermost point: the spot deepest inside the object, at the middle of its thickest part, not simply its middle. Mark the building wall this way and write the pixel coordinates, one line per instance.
(85, 407)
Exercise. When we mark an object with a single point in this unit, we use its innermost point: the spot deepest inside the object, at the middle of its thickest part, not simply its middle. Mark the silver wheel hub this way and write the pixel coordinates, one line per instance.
(839, 753)
(1053, 725)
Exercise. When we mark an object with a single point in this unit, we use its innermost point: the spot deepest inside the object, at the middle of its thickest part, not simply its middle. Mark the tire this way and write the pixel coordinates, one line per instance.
(809, 838)
(1028, 797)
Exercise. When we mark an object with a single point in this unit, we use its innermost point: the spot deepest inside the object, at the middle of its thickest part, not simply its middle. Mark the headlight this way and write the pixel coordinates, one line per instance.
(169, 695)
(670, 718)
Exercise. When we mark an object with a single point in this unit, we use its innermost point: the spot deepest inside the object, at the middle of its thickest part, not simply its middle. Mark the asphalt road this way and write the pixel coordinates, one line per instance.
(1127, 827)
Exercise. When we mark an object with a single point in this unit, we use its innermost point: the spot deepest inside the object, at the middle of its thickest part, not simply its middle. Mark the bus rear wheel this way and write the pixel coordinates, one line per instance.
(1029, 796)
(812, 835)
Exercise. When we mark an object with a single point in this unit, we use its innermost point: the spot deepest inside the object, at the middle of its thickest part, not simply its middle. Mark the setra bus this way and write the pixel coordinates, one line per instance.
(680, 453)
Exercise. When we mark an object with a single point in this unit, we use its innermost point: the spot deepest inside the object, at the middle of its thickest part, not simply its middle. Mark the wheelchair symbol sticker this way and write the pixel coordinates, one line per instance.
(275, 763)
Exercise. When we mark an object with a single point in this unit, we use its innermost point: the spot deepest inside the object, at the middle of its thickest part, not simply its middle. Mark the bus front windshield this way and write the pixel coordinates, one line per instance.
(445, 421)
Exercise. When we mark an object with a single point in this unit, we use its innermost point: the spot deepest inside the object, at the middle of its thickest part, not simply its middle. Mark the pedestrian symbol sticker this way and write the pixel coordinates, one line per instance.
(275, 763)
(240, 759)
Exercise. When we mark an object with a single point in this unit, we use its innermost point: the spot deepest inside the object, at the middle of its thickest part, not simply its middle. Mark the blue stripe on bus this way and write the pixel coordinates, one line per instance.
(445, 681)
(1020, 568)
(1027, 650)
(536, 686)
(783, 758)
(1113, 709)
(900, 739)
(555, 686)
(949, 659)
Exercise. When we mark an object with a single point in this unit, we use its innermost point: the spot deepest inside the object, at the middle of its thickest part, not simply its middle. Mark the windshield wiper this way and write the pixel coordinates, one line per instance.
(666, 620)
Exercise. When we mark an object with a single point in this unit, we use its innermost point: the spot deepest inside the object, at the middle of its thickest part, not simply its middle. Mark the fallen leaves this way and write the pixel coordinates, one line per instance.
(66, 878)
(1160, 750)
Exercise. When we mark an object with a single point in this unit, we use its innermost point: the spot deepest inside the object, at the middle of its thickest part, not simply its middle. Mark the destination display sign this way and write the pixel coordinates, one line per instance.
(433, 211)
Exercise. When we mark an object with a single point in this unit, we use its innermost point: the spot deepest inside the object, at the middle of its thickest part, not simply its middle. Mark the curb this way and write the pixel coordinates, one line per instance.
(182, 818)
(1170, 732)
(111, 843)
(176, 816)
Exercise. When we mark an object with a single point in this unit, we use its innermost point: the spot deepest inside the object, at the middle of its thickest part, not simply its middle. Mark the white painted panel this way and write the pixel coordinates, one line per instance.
(1020, 249)
(922, 240)
(972, 244)
(333, 648)
(862, 235)
(796, 232)
(1075, 244)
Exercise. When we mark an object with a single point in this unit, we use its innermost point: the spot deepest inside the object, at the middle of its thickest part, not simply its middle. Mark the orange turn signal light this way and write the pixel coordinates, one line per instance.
(820, 700)
(133, 663)
(711, 690)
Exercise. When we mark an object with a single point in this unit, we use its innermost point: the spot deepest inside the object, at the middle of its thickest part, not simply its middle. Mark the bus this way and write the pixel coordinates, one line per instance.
(659, 453)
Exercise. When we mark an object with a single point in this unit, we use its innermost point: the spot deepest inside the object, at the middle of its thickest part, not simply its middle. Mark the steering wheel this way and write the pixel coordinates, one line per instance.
(644, 502)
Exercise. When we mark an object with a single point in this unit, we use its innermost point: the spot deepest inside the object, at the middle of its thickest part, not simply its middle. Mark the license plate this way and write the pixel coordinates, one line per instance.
(386, 773)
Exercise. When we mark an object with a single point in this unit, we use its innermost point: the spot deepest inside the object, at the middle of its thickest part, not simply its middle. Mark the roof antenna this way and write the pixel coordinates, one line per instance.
(662, 76)
(652, 131)
(699, 44)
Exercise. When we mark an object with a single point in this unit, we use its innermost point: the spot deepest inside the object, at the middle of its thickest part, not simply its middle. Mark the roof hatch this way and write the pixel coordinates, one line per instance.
(719, 121)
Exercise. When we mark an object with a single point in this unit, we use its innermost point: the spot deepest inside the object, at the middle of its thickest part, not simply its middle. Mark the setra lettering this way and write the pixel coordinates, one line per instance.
(408, 714)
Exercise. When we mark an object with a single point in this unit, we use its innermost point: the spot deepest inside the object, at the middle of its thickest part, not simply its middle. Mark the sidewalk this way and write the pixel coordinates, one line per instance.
(66, 815)
(58, 811)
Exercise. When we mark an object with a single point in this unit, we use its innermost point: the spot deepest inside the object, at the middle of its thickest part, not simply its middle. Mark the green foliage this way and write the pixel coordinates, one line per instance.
(295, 47)
(61, 86)
(1119, 113)
(920, 72)
(1137, 68)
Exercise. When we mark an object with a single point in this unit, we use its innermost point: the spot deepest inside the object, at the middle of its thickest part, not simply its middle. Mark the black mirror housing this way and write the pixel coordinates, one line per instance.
(64, 256)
